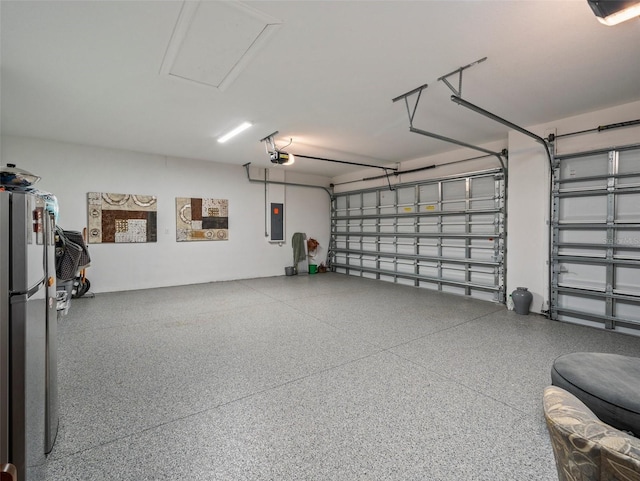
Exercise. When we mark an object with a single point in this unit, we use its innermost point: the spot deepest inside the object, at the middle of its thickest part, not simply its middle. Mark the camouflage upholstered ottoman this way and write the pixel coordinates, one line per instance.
(608, 384)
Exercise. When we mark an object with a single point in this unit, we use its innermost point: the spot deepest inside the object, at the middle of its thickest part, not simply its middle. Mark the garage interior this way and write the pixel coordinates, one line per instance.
(446, 153)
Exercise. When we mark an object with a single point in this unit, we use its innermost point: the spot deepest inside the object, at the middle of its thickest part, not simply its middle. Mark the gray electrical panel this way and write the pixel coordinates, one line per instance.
(277, 222)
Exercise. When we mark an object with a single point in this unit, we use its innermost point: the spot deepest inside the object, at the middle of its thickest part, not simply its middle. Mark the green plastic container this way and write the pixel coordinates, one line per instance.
(313, 269)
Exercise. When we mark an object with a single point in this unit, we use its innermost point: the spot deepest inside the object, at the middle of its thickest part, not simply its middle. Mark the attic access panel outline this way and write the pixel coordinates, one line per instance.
(213, 42)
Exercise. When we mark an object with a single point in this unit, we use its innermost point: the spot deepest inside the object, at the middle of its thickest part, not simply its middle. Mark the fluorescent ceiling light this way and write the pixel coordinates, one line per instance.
(240, 128)
(621, 16)
(614, 12)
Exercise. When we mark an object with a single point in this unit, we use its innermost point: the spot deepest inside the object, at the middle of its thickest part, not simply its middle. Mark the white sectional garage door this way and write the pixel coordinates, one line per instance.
(445, 234)
(595, 258)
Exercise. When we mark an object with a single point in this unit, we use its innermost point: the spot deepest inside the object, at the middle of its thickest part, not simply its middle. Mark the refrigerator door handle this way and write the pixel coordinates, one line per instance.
(8, 473)
(30, 291)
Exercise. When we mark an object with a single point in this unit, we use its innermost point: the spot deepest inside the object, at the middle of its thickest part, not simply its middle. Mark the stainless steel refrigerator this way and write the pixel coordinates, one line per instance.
(28, 373)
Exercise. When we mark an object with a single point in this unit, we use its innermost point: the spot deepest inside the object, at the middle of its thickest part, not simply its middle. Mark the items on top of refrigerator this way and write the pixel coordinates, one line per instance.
(12, 176)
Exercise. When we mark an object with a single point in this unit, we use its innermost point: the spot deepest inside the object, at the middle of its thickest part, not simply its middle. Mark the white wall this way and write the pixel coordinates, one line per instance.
(527, 215)
(71, 170)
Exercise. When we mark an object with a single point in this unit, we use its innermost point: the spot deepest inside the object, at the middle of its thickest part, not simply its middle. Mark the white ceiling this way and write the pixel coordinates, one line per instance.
(113, 73)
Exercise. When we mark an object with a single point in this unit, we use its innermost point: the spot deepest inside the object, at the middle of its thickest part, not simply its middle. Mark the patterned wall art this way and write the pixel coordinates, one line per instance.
(201, 219)
(122, 218)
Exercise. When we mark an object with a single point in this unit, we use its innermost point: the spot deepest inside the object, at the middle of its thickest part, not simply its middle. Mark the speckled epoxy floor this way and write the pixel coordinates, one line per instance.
(323, 377)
